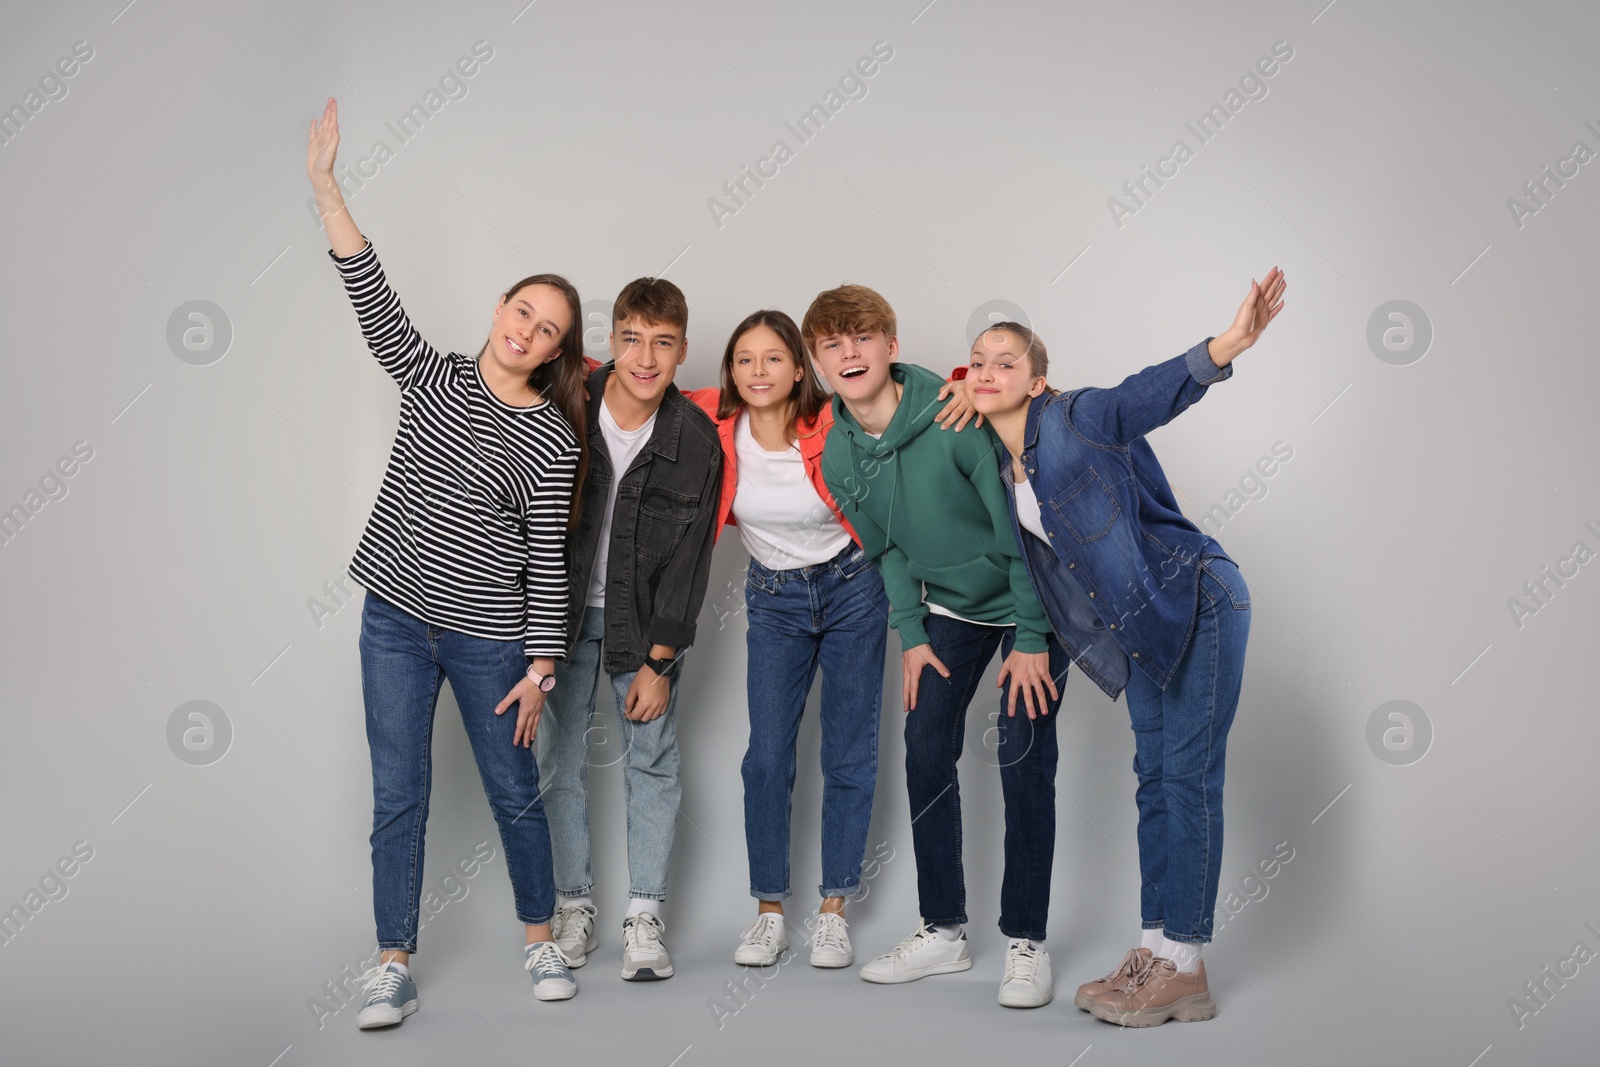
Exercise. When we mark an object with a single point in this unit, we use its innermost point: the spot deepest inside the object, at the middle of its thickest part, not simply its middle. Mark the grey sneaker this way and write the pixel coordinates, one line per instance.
(644, 957)
(574, 933)
(391, 996)
(552, 977)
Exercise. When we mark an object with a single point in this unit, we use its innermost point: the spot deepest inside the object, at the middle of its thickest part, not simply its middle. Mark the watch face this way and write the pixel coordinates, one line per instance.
(547, 683)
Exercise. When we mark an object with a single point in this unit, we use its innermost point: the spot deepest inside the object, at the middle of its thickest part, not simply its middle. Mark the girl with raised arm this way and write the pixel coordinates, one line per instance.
(462, 562)
(1145, 603)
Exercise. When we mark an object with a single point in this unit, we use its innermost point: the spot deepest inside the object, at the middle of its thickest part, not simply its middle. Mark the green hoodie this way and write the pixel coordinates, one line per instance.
(932, 514)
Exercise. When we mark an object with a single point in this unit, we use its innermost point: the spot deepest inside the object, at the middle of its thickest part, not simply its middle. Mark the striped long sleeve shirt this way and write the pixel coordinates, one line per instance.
(469, 528)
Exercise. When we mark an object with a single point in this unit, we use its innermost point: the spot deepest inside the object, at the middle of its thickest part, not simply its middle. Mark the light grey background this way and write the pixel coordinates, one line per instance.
(221, 898)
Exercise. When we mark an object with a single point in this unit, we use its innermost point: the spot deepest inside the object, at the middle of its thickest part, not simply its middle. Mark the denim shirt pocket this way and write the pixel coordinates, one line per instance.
(1086, 507)
(664, 516)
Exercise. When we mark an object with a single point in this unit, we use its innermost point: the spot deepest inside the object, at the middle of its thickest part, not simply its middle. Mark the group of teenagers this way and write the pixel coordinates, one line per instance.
(545, 526)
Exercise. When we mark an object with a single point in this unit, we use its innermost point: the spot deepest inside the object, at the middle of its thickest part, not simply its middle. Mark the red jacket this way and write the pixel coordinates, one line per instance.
(812, 437)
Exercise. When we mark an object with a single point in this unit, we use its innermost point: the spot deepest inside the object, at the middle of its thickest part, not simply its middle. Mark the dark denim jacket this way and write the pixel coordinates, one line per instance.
(661, 533)
(1123, 582)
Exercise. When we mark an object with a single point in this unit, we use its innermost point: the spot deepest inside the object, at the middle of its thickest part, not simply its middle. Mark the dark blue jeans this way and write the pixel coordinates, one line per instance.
(1026, 752)
(835, 615)
(1180, 751)
(404, 662)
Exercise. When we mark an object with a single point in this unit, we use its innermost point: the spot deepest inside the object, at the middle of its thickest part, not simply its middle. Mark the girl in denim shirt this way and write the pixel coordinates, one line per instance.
(1146, 603)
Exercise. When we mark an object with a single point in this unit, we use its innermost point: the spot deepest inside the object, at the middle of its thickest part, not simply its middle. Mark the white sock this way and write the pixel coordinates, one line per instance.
(949, 933)
(398, 966)
(1151, 939)
(640, 905)
(586, 900)
(1182, 953)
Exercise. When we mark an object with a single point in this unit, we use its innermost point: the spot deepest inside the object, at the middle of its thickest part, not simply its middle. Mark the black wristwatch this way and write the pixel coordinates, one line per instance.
(663, 667)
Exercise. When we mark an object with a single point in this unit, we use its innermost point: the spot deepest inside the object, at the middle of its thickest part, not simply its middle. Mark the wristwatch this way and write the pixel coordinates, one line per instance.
(545, 682)
(663, 667)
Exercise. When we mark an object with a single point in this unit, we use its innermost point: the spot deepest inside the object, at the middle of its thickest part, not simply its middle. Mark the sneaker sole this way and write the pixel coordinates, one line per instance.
(375, 1021)
(833, 963)
(1193, 1009)
(647, 974)
(764, 961)
(900, 979)
(565, 991)
(1029, 1003)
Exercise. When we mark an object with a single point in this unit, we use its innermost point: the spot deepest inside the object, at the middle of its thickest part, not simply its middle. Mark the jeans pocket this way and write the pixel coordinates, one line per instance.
(853, 562)
(761, 579)
(1225, 574)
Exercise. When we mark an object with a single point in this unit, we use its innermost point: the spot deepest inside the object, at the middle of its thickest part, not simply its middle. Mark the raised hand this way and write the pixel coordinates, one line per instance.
(1261, 305)
(324, 142)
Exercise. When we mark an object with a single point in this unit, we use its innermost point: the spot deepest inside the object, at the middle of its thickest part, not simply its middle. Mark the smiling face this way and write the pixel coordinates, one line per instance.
(764, 370)
(528, 327)
(856, 363)
(1000, 375)
(647, 355)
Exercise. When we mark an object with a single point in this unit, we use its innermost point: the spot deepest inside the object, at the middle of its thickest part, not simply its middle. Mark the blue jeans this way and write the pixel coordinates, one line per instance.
(835, 614)
(1026, 751)
(572, 734)
(1180, 749)
(404, 661)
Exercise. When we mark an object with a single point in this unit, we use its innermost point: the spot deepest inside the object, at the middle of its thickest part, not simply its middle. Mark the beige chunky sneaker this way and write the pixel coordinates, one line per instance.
(1130, 964)
(1158, 991)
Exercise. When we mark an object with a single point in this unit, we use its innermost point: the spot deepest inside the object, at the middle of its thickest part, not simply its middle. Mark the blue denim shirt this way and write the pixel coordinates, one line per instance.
(1122, 583)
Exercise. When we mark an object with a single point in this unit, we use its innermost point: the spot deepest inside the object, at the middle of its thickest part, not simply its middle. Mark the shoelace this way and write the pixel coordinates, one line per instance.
(547, 960)
(830, 933)
(924, 934)
(643, 932)
(1143, 973)
(1125, 970)
(569, 919)
(1022, 961)
(380, 982)
(764, 931)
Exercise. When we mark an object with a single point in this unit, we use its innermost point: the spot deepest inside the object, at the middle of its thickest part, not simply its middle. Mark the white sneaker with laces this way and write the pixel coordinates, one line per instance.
(644, 956)
(552, 977)
(763, 942)
(574, 933)
(1027, 982)
(923, 953)
(830, 941)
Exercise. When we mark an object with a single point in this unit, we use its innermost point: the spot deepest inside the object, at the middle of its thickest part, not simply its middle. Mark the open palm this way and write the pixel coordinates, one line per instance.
(324, 143)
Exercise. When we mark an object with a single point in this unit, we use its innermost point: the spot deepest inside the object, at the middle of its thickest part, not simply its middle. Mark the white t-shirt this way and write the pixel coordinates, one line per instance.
(783, 523)
(622, 446)
(1028, 510)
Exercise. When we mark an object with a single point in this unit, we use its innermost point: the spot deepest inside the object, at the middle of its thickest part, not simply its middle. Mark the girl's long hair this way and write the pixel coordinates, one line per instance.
(805, 399)
(561, 379)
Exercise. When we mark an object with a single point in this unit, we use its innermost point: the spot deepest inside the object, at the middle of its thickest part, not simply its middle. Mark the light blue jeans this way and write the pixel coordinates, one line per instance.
(573, 736)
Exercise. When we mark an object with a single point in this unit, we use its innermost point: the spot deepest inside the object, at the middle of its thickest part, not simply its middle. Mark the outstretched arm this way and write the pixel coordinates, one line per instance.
(343, 236)
(1160, 393)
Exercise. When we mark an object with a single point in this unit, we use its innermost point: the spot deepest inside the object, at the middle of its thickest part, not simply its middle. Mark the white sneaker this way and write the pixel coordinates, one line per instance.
(574, 934)
(1027, 981)
(763, 942)
(552, 976)
(644, 957)
(923, 953)
(830, 941)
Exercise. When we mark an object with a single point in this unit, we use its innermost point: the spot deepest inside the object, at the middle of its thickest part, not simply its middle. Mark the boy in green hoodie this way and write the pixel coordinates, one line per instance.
(932, 514)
